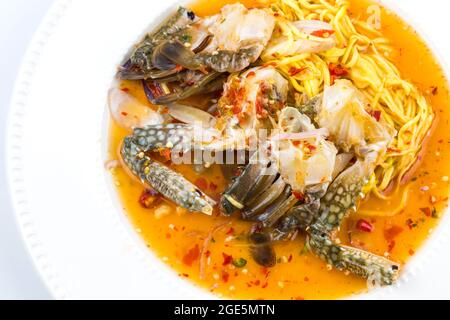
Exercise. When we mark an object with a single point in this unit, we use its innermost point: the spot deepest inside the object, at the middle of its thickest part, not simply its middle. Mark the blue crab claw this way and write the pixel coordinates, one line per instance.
(139, 63)
(170, 184)
(339, 200)
(378, 270)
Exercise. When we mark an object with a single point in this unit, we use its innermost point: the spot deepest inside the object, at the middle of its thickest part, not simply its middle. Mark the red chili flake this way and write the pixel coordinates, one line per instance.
(441, 141)
(179, 68)
(311, 147)
(323, 33)
(364, 226)
(391, 246)
(426, 211)
(376, 115)
(124, 114)
(168, 236)
(251, 74)
(410, 223)
(276, 14)
(256, 282)
(392, 232)
(225, 276)
(201, 183)
(296, 143)
(125, 89)
(298, 195)
(213, 186)
(236, 109)
(306, 279)
(293, 71)
(227, 259)
(290, 258)
(270, 64)
(208, 254)
(166, 154)
(149, 198)
(434, 90)
(332, 79)
(185, 275)
(265, 272)
(192, 255)
(411, 252)
(230, 232)
(337, 70)
(259, 108)
(265, 285)
(393, 150)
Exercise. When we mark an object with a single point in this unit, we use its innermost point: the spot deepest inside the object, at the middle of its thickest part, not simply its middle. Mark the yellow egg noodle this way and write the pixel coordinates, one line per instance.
(362, 50)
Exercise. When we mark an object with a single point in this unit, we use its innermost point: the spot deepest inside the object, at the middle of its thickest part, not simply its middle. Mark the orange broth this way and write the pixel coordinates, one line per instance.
(177, 238)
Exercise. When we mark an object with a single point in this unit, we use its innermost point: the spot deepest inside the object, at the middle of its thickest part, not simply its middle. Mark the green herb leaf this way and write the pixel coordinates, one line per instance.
(305, 250)
(240, 263)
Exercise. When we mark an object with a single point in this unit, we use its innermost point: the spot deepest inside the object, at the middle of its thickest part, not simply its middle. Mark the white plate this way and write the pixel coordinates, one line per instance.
(80, 240)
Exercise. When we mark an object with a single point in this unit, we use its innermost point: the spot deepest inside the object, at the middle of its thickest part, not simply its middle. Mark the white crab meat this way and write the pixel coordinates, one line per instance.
(237, 27)
(129, 113)
(303, 155)
(344, 113)
(245, 101)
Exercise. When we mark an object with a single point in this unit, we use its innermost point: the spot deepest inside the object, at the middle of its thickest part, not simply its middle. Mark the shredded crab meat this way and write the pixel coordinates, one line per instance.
(305, 158)
(344, 113)
(237, 27)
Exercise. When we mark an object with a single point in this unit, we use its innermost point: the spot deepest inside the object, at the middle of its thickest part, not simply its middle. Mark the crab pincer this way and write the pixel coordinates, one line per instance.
(135, 153)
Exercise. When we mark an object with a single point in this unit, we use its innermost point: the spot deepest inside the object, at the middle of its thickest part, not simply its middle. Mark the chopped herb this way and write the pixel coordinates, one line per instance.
(305, 250)
(239, 263)
(185, 38)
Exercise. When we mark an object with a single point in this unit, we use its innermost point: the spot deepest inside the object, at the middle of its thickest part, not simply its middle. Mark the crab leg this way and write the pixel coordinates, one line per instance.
(167, 182)
(220, 60)
(336, 204)
(378, 270)
(157, 94)
(342, 195)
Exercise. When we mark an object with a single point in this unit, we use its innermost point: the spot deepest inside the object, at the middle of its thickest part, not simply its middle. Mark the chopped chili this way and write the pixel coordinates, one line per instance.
(201, 183)
(364, 226)
(213, 186)
(293, 71)
(392, 232)
(225, 276)
(227, 259)
(298, 195)
(426, 211)
(192, 255)
(376, 114)
(323, 33)
(149, 199)
(230, 232)
(337, 70)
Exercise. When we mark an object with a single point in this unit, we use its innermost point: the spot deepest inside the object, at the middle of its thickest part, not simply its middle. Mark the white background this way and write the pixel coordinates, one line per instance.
(18, 21)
